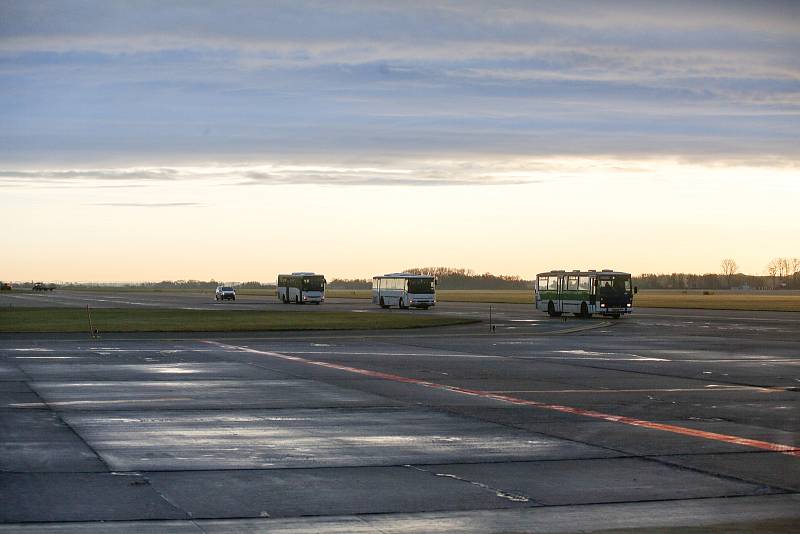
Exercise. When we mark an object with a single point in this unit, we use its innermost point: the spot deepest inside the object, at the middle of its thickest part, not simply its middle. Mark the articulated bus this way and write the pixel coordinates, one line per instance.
(584, 293)
(404, 290)
(301, 288)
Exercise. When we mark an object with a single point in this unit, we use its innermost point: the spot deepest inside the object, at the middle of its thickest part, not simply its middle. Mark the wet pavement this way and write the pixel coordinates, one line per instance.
(666, 418)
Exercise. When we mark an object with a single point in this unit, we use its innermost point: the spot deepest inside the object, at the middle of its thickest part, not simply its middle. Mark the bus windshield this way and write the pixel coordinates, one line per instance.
(313, 283)
(613, 285)
(420, 285)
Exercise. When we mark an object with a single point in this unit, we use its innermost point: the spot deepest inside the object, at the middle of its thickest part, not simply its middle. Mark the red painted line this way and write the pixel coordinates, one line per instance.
(735, 440)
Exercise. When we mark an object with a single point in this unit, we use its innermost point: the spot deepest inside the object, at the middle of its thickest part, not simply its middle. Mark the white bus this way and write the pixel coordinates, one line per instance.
(301, 288)
(404, 291)
(584, 293)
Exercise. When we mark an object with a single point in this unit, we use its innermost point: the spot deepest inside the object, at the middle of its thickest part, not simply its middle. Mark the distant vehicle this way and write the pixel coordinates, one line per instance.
(301, 288)
(404, 291)
(225, 293)
(584, 293)
(39, 286)
(5, 286)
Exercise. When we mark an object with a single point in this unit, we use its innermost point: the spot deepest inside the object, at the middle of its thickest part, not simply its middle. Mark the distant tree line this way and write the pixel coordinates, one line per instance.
(175, 284)
(448, 278)
(255, 285)
(700, 281)
(782, 273)
(456, 278)
(350, 283)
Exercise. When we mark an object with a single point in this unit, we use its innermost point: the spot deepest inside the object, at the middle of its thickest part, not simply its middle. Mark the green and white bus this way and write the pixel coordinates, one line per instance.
(301, 288)
(584, 293)
(404, 291)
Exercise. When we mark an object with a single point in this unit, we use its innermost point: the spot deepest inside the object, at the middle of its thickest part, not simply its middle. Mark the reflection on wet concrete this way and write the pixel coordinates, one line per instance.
(168, 441)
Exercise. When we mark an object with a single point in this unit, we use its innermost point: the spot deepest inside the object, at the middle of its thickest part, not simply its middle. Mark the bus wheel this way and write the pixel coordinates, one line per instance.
(551, 309)
(384, 306)
(296, 299)
(585, 311)
(400, 304)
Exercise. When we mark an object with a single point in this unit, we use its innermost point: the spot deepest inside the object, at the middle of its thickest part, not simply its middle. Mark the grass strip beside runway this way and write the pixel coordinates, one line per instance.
(767, 300)
(168, 320)
(719, 300)
(715, 300)
(499, 296)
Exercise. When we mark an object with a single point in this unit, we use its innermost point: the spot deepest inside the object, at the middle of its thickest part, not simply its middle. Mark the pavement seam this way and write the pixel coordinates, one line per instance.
(99, 457)
(162, 495)
(650, 373)
(56, 413)
(500, 493)
(369, 519)
(772, 487)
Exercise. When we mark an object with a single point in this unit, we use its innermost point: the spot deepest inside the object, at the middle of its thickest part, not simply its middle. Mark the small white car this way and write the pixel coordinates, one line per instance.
(225, 293)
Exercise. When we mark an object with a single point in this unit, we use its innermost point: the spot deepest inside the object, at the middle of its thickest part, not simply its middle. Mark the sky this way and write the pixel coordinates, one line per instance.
(144, 141)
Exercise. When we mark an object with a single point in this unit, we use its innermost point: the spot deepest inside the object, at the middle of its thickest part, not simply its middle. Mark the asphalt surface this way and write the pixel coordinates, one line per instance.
(665, 418)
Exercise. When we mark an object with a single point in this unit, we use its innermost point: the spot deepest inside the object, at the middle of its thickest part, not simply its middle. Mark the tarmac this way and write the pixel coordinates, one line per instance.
(664, 419)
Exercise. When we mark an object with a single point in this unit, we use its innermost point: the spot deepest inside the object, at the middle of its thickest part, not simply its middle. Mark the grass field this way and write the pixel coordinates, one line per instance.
(778, 300)
(164, 320)
(452, 295)
(717, 300)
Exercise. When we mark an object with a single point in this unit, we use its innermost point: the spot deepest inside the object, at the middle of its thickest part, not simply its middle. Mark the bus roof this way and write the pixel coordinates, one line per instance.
(404, 275)
(301, 274)
(590, 272)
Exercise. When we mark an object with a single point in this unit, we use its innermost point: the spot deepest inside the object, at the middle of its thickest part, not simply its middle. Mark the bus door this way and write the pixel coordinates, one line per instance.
(553, 293)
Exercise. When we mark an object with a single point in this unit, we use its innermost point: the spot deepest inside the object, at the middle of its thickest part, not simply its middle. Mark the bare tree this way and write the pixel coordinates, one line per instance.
(772, 269)
(729, 269)
(783, 267)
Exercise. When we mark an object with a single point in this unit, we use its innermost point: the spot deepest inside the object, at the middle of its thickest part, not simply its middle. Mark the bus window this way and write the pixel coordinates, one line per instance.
(572, 283)
(614, 285)
(584, 283)
(552, 284)
(542, 283)
(622, 284)
(605, 287)
(421, 286)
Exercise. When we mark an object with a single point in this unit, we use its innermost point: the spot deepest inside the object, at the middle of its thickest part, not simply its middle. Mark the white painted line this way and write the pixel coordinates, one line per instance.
(707, 389)
(430, 354)
(91, 402)
(48, 357)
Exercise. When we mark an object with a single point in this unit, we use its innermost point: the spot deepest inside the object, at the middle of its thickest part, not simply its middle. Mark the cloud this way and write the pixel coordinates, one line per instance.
(147, 204)
(404, 173)
(96, 81)
(416, 173)
(66, 175)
